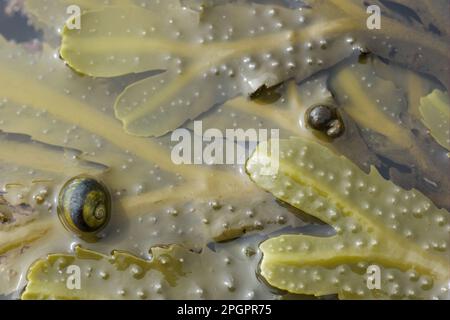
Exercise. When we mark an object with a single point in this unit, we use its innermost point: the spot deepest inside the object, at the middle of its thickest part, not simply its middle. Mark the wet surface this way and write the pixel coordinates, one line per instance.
(110, 115)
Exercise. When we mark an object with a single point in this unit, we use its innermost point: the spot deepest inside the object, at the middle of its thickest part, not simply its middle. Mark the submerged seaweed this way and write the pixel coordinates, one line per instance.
(173, 272)
(230, 64)
(159, 201)
(435, 111)
(376, 222)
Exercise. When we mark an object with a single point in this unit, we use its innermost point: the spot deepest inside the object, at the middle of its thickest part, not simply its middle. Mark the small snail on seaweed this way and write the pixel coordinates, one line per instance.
(84, 206)
(326, 119)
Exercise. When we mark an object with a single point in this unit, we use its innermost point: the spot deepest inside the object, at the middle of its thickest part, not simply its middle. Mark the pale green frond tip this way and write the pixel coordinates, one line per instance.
(400, 233)
(435, 111)
(101, 276)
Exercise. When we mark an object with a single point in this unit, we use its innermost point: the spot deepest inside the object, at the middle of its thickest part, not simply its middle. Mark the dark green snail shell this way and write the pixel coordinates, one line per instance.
(84, 205)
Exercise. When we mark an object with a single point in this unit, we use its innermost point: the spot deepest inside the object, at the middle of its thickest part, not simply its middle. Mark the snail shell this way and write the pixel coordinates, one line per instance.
(84, 205)
(326, 119)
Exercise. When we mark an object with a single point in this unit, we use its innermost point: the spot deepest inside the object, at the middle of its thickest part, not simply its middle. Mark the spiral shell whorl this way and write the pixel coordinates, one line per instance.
(84, 205)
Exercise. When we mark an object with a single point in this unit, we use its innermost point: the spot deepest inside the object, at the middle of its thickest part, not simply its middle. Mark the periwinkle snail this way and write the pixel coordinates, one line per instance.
(325, 118)
(84, 206)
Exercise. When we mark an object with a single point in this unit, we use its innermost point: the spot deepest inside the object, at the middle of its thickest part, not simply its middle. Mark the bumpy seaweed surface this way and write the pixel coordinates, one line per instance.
(376, 222)
(100, 100)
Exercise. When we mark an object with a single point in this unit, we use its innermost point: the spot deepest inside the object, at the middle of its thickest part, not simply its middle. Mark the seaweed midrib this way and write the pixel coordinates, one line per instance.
(396, 243)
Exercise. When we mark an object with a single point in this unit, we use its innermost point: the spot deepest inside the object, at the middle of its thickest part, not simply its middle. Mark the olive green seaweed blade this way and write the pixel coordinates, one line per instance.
(435, 112)
(50, 15)
(172, 272)
(205, 58)
(91, 275)
(400, 234)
